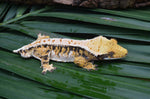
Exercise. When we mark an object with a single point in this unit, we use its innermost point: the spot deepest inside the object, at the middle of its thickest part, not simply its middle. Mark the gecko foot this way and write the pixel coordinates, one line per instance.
(89, 66)
(49, 68)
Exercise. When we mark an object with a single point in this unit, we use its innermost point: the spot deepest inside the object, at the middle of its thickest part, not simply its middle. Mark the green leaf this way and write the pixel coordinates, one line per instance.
(15, 87)
(88, 28)
(23, 16)
(131, 13)
(11, 13)
(3, 9)
(100, 19)
(137, 52)
(32, 32)
(21, 10)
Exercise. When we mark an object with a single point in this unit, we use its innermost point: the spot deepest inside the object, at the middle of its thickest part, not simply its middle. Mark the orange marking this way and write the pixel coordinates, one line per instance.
(53, 41)
(48, 39)
(73, 53)
(60, 40)
(44, 41)
(63, 50)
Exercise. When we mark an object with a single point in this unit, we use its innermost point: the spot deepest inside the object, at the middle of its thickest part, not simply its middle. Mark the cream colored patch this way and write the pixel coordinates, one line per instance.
(62, 57)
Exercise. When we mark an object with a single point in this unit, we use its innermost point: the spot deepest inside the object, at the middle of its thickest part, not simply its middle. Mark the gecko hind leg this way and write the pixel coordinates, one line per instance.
(82, 62)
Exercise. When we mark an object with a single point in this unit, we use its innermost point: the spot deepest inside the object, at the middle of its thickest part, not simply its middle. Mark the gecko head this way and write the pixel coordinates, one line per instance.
(115, 51)
(106, 49)
(26, 53)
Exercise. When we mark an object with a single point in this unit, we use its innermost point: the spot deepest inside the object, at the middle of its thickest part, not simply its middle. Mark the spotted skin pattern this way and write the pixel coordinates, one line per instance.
(81, 52)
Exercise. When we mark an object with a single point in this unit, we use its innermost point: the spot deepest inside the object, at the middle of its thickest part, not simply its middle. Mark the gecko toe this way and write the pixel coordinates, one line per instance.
(43, 72)
(96, 65)
(41, 66)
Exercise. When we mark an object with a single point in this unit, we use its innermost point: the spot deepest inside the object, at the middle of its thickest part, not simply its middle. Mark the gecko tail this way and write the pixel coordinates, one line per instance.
(15, 51)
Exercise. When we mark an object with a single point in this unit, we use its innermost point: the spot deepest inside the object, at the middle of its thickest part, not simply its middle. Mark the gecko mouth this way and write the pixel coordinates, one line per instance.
(111, 58)
(114, 58)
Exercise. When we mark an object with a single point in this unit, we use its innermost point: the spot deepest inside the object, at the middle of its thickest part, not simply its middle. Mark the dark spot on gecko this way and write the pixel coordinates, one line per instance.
(111, 54)
(83, 54)
(60, 49)
(53, 47)
(24, 51)
(35, 50)
(45, 45)
(81, 51)
(45, 62)
(50, 47)
(71, 48)
(101, 57)
(20, 51)
(38, 46)
(47, 51)
(86, 54)
(76, 49)
(30, 48)
(46, 56)
(65, 49)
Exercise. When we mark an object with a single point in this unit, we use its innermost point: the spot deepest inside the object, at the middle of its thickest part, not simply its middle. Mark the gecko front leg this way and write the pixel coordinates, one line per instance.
(45, 64)
(43, 54)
